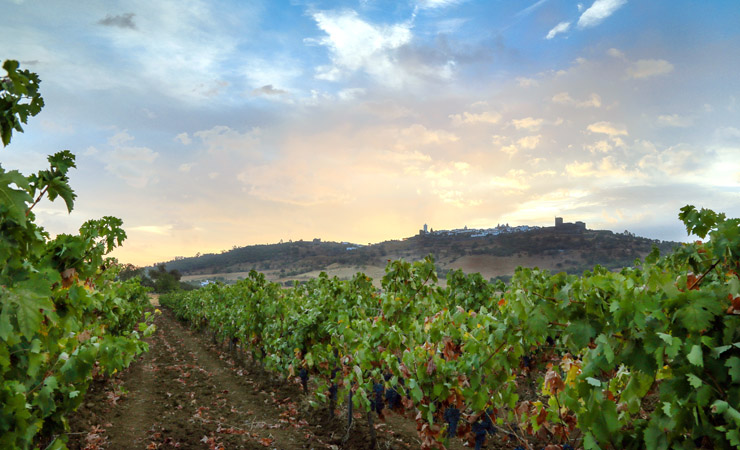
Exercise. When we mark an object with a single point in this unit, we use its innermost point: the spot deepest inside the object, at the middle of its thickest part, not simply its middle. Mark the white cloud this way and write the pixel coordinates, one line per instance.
(222, 139)
(614, 53)
(305, 183)
(723, 169)
(674, 120)
(599, 147)
(183, 138)
(472, 118)
(514, 179)
(356, 45)
(608, 167)
(593, 101)
(643, 68)
(153, 229)
(529, 142)
(608, 128)
(728, 133)
(580, 169)
(265, 74)
(462, 167)
(526, 82)
(510, 150)
(417, 135)
(562, 27)
(405, 157)
(680, 162)
(56, 127)
(528, 123)
(599, 10)
(646, 68)
(131, 163)
(351, 93)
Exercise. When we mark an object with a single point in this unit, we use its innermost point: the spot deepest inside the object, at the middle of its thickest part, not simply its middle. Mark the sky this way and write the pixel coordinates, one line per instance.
(206, 125)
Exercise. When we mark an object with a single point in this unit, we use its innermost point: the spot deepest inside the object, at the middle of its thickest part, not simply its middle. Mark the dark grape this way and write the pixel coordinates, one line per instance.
(482, 427)
(392, 398)
(377, 404)
(526, 362)
(303, 374)
(480, 434)
(452, 416)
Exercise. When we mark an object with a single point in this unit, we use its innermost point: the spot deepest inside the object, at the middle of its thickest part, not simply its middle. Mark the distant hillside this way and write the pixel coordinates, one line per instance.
(491, 255)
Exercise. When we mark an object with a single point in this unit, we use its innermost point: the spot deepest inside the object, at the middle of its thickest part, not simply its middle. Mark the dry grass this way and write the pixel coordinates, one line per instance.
(487, 265)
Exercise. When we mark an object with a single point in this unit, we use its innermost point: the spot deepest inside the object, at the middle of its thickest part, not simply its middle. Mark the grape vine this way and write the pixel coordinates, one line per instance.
(63, 318)
(647, 357)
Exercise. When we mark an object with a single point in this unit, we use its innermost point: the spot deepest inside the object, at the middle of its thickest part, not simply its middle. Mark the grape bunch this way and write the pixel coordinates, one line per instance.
(452, 416)
(303, 375)
(377, 403)
(483, 427)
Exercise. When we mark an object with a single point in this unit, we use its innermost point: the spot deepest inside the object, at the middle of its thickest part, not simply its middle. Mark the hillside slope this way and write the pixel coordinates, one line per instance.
(492, 256)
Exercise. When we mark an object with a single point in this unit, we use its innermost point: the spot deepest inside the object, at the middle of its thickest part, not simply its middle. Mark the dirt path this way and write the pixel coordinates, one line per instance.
(187, 393)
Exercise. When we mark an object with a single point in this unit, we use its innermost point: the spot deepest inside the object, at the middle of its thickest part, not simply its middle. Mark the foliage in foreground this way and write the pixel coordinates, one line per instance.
(648, 357)
(63, 318)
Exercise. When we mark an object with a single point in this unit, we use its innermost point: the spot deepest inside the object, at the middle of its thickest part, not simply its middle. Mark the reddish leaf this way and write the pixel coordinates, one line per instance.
(431, 366)
(553, 382)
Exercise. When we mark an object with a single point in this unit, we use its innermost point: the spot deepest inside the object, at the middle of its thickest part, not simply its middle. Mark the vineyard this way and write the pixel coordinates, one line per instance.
(648, 357)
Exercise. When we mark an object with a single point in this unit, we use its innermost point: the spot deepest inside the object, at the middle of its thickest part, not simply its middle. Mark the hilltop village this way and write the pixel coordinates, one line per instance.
(560, 226)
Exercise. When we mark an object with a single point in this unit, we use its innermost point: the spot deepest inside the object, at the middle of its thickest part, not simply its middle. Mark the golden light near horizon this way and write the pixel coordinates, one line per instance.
(204, 127)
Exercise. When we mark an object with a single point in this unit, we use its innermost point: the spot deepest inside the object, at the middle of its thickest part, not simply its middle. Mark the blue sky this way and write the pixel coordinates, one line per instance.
(205, 125)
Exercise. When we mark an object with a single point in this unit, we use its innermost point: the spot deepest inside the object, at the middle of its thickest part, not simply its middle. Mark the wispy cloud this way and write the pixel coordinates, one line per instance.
(526, 82)
(642, 68)
(593, 101)
(531, 8)
(674, 120)
(598, 11)
(527, 123)
(562, 27)
(129, 162)
(435, 4)
(605, 127)
(647, 68)
(154, 229)
(473, 118)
